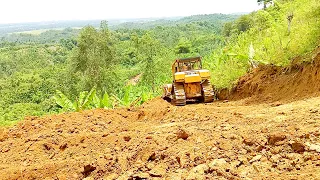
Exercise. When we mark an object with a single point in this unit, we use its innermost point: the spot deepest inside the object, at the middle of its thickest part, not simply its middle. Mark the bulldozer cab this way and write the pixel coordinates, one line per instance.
(187, 64)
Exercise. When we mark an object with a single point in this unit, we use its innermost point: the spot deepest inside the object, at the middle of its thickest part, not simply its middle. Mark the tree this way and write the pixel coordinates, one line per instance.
(264, 2)
(227, 29)
(262, 20)
(94, 57)
(183, 47)
(289, 18)
(244, 23)
(148, 49)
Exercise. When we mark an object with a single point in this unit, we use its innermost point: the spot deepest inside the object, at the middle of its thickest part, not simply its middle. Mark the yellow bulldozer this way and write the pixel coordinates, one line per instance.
(190, 82)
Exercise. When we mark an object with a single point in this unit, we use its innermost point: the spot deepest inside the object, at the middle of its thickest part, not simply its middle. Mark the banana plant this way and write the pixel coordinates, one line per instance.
(104, 102)
(63, 101)
(90, 100)
(84, 101)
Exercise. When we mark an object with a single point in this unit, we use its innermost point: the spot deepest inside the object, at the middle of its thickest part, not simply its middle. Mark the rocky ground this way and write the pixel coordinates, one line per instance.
(222, 140)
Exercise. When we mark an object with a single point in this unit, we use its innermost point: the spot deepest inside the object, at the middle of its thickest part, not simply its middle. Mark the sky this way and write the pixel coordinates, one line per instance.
(17, 11)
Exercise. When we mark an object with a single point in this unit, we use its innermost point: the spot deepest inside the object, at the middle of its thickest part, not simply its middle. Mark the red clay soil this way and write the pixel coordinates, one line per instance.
(271, 83)
(276, 137)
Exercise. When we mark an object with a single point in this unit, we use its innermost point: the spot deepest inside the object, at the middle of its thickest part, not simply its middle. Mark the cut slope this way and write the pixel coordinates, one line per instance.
(270, 83)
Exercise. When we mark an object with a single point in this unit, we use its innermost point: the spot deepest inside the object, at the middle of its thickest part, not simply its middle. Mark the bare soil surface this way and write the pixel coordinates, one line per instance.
(223, 140)
(270, 129)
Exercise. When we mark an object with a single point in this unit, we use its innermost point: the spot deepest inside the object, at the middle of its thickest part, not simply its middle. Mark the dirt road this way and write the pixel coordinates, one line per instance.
(228, 140)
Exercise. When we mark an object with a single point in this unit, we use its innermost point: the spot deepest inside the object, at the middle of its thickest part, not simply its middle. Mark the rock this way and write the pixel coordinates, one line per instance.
(276, 104)
(147, 154)
(108, 156)
(298, 147)
(214, 148)
(171, 137)
(149, 137)
(150, 165)
(88, 178)
(87, 169)
(195, 176)
(200, 169)
(139, 164)
(285, 165)
(218, 164)
(61, 176)
(105, 135)
(123, 177)
(314, 110)
(296, 159)
(63, 146)
(276, 150)
(315, 147)
(243, 159)
(243, 151)
(248, 141)
(245, 171)
(47, 146)
(82, 139)
(182, 134)
(307, 156)
(152, 156)
(225, 127)
(52, 155)
(256, 158)
(123, 161)
(274, 138)
(127, 138)
(175, 176)
(275, 158)
(183, 160)
(256, 168)
(112, 176)
(141, 175)
(158, 171)
(235, 164)
(225, 145)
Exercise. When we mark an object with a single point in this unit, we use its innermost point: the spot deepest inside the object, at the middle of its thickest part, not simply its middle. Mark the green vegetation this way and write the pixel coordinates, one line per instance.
(125, 65)
(285, 30)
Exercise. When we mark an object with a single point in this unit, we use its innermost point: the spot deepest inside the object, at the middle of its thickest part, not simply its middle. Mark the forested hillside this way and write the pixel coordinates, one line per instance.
(71, 69)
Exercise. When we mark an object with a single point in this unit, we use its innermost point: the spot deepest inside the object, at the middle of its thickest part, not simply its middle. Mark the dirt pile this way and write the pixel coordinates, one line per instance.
(224, 140)
(269, 83)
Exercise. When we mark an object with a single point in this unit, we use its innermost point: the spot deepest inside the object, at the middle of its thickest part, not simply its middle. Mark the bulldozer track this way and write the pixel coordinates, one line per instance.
(179, 96)
(208, 93)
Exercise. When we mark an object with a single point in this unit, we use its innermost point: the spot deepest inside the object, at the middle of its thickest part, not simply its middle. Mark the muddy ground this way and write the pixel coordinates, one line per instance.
(268, 129)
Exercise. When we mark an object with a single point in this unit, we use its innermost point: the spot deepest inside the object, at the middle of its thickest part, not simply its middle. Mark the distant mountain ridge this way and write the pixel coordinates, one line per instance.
(141, 23)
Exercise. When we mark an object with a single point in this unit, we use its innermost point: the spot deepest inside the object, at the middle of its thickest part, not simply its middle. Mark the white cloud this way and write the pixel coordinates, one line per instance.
(13, 11)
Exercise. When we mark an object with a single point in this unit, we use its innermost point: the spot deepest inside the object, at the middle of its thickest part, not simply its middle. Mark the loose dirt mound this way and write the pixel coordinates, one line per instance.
(160, 141)
(270, 83)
